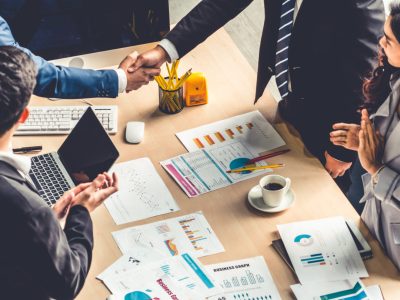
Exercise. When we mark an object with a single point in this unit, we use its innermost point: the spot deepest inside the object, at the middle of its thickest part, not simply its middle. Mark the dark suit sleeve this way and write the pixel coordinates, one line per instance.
(361, 34)
(64, 82)
(63, 257)
(202, 21)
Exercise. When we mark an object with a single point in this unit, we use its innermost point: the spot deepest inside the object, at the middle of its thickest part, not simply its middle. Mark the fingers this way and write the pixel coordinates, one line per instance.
(140, 61)
(338, 133)
(152, 71)
(342, 126)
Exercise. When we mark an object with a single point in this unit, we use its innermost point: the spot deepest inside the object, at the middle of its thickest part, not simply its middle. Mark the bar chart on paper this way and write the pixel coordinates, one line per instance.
(246, 279)
(251, 129)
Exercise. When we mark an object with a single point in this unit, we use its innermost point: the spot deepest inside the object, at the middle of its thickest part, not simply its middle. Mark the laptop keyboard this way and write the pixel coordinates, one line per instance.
(48, 178)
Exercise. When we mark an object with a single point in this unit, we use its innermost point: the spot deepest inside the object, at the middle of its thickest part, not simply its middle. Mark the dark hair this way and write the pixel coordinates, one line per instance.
(376, 88)
(17, 80)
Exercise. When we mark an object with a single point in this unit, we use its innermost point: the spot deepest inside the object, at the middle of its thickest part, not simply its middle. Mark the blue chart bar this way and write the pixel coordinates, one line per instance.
(313, 260)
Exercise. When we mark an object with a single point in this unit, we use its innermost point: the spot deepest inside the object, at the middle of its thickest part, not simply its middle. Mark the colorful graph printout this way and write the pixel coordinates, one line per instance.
(251, 129)
(204, 170)
(172, 237)
(331, 256)
(245, 279)
(351, 289)
(184, 273)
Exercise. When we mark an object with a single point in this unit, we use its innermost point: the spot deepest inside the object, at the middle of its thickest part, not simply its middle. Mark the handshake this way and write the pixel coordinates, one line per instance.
(140, 69)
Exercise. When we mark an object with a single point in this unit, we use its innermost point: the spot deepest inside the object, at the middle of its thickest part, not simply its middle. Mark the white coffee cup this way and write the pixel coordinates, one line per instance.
(274, 189)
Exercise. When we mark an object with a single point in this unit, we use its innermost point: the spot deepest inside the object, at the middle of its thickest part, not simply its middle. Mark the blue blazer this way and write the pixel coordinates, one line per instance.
(64, 82)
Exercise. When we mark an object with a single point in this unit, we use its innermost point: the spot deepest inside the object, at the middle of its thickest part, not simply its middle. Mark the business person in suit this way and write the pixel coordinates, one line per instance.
(64, 82)
(45, 252)
(318, 50)
(377, 142)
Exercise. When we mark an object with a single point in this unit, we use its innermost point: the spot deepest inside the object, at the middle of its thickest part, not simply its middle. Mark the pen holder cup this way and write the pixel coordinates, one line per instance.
(171, 101)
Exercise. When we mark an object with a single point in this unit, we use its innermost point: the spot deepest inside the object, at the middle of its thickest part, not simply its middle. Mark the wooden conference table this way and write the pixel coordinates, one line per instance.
(243, 231)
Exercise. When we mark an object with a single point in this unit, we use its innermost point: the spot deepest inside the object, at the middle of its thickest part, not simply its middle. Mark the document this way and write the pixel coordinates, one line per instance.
(132, 260)
(172, 237)
(205, 170)
(142, 193)
(322, 250)
(334, 290)
(152, 288)
(244, 279)
(184, 271)
(251, 129)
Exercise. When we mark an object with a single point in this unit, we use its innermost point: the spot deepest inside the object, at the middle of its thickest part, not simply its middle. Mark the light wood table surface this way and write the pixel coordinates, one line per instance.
(242, 231)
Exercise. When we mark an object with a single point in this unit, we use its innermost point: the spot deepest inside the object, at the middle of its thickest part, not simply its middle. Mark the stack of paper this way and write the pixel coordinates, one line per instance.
(142, 193)
(322, 250)
(218, 147)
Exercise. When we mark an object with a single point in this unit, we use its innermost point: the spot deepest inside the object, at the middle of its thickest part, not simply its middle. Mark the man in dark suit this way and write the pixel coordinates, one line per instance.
(318, 50)
(45, 252)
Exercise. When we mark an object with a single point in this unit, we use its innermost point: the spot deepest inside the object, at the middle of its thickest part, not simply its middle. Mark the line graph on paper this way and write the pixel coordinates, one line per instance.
(142, 193)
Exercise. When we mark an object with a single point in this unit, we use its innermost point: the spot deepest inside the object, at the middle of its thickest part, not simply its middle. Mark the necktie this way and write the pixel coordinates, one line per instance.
(282, 47)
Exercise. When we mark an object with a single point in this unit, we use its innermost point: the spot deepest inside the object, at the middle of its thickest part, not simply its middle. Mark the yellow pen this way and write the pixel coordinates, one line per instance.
(275, 166)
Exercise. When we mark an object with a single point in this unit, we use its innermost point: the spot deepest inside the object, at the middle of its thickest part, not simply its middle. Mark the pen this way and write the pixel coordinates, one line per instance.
(255, 168)
(268, 156)
(28, 149)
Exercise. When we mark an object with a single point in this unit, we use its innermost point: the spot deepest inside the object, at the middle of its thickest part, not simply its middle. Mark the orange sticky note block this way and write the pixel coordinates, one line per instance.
(196, 89)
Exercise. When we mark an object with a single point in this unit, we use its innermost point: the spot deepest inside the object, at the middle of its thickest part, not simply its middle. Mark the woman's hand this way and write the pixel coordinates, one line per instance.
(345, 135)
(370, 151)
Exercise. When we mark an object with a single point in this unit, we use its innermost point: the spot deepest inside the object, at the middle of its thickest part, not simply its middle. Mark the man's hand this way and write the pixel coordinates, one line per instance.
(92, 194)
(141, 76)
(370, 151)
(152, 58)
(345, 135)
(336, 167)
(62, 206)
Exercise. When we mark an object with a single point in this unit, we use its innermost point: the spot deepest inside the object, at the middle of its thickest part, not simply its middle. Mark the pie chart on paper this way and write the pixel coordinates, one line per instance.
(137, 296)
(303, 240)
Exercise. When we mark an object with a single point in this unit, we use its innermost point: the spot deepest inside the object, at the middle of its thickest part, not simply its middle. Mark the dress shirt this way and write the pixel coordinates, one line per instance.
(122, 80)
(19, 162)
(173, 53)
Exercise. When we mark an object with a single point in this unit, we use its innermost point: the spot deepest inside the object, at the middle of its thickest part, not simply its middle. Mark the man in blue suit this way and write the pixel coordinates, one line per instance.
(68, 83)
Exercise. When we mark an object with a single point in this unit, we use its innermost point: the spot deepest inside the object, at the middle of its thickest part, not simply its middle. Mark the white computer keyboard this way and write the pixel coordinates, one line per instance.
(47, 120)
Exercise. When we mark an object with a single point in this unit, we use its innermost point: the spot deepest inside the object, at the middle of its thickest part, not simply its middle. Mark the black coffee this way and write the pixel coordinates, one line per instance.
(273, 186)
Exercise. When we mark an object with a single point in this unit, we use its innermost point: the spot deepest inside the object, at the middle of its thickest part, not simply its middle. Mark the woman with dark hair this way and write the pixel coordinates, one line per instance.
(377, 141)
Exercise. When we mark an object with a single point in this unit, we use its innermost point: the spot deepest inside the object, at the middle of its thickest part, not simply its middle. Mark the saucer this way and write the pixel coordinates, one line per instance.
(256, 200)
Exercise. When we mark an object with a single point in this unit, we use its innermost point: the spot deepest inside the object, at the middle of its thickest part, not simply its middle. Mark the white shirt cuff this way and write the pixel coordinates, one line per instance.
(170, 49)
(122, 80)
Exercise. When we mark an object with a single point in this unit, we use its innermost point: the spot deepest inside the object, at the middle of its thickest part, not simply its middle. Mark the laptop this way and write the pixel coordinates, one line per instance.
(86, 152)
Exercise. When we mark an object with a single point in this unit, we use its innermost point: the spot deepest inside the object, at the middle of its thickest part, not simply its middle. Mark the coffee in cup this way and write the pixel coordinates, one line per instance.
(274, 189)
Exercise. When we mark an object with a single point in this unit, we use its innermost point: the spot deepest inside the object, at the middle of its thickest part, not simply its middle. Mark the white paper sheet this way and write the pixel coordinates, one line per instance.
(184, 271)
(334, 290)
(251, 129)
(249, 277)
(152, 288)
(132, 260)
(204, 170)
(322, 250)
(186, 234)
(375, 292)
(142, 193)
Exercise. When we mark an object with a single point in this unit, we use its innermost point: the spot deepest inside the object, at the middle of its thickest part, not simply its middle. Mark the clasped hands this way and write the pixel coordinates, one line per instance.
(141, 69)
(361, 138)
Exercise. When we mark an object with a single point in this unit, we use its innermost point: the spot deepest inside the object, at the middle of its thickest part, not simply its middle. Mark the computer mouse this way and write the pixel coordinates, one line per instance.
(134, 132)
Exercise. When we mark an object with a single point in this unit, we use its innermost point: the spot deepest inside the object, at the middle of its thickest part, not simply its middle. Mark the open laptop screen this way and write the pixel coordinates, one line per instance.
(88, 150)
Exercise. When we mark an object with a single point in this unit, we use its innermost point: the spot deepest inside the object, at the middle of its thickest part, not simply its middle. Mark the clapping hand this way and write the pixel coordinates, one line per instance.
(370, 151)
(345, 135)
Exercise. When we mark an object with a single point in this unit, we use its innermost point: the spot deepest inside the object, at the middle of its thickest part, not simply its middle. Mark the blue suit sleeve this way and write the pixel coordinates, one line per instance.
(63, 82)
